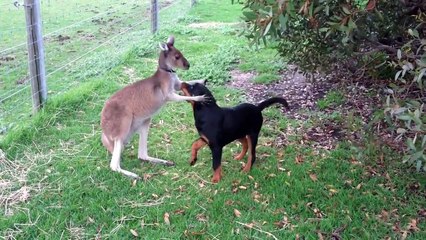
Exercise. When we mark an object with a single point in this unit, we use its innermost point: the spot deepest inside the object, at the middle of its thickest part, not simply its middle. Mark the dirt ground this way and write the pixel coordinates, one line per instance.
(303, 93)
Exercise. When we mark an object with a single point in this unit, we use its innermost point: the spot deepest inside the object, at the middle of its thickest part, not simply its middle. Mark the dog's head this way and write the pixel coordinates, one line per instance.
(197, 89)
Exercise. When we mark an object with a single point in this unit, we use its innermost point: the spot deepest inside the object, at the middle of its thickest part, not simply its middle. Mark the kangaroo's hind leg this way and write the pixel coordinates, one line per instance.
(143, 146)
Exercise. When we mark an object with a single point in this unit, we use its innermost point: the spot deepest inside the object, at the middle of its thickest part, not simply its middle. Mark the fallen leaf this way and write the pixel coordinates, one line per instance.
(249, 225)
(167, 218)
(251, 177)
(179, 211)
(313, 176)
(358, 186)
(134, 182)
(333, 191)
(134, 233)
(147, 176)
(283, 223)
(154, 195)
(201, 217)
(90, 220)
(384, 215)
(412, 226)
(299, 159)
(237, 213)
(242, 187)
(201, 184)
(404, 235)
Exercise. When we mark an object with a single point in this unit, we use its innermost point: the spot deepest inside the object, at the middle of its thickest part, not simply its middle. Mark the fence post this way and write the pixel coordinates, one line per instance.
(193, 2)
(35, 53)
(154, 16)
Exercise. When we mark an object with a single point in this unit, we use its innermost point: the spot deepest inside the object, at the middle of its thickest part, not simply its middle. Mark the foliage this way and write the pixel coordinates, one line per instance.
(374, 39)
(332, 98)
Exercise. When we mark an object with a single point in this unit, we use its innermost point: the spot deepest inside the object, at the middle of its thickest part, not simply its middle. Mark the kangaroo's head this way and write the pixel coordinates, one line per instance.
(170, 57)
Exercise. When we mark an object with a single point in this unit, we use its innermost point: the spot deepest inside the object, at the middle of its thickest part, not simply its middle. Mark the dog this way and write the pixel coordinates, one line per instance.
(218, 126)
(130, 110)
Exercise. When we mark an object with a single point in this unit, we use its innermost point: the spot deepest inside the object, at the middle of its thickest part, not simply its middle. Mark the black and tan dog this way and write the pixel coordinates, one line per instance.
(219, 126)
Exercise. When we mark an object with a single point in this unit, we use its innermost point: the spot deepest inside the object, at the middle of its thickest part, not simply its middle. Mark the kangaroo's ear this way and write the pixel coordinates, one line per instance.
(163, 47)
(171, 41)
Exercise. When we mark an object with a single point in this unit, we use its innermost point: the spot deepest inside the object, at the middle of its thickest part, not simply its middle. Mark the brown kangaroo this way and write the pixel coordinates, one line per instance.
(130, 109)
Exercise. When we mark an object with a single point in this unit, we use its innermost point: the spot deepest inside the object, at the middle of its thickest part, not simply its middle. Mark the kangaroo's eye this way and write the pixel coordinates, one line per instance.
(177, 57)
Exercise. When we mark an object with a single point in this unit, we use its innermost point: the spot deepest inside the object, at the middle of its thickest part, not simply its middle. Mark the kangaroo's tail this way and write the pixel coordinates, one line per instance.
(269, 102)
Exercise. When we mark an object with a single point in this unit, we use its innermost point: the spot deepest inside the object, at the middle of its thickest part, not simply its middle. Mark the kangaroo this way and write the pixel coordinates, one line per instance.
(130, 109)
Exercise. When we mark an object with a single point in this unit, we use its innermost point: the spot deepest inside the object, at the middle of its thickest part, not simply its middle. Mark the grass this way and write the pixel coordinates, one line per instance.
(88, 41)
(292, 191)
(332, 98)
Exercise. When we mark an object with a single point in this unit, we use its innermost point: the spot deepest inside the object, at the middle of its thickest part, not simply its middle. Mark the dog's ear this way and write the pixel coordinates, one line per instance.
(163, 47)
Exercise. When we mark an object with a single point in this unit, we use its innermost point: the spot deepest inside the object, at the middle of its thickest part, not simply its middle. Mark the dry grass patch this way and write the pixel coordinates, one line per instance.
(14, 188)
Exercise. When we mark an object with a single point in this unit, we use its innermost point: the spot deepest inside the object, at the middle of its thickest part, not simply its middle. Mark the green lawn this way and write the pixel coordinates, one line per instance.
(292, 192)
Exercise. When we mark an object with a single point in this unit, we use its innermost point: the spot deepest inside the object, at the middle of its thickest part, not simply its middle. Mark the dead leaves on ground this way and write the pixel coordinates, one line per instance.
(237, 213)
(299, 159)
(313, 177)
(166, 218)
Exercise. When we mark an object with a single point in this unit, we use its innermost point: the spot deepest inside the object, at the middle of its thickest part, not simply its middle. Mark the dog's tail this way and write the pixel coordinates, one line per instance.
(269, 102)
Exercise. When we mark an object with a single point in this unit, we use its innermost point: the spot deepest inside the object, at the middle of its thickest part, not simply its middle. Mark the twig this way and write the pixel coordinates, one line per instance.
(259, 230)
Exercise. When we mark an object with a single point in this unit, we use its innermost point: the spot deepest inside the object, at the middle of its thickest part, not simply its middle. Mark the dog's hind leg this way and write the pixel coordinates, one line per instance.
(143, 146)
(244, 144)
(252, 142)
(196, 145)
(115, 160)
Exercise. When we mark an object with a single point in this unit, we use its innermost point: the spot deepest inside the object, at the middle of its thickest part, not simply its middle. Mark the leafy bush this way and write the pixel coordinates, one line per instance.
(373, 39)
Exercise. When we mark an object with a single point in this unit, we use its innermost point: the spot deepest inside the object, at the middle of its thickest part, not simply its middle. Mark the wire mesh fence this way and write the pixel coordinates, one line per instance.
(82, 39)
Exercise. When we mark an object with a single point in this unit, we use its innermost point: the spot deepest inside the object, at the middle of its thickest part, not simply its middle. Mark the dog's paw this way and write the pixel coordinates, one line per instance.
(192, 161)
(215, 179)
(246, 168)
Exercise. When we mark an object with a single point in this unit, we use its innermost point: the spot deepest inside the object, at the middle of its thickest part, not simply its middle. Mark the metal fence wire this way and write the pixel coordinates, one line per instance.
(49, 46)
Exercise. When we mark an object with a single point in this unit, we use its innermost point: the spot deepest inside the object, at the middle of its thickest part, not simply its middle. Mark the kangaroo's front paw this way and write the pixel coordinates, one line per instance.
(202, 98)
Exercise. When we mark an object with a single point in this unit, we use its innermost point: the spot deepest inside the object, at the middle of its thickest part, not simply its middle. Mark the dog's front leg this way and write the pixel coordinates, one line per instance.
(217, 167)
(196, 145)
